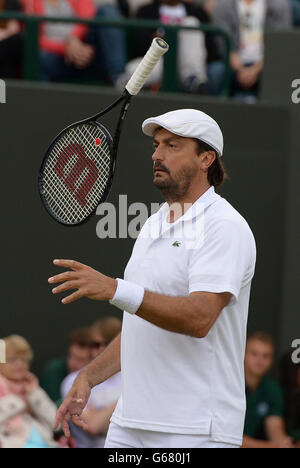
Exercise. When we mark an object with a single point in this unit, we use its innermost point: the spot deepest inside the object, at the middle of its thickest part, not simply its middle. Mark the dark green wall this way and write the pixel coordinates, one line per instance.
(282, 68)
(256, 151)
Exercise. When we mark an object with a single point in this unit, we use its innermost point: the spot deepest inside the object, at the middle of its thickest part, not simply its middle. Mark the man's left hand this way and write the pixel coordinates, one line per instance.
(85, 280)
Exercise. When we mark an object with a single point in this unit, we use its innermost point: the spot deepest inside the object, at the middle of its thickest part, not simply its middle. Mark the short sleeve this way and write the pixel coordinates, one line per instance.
(225, 261)
(276, 401)
(67, 384)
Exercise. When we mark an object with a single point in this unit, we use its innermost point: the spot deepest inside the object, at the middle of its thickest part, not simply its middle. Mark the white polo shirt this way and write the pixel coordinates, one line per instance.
(175, 383)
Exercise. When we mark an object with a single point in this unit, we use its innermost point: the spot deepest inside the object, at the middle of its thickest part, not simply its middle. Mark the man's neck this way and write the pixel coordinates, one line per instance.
(253, 381)
(179, 207)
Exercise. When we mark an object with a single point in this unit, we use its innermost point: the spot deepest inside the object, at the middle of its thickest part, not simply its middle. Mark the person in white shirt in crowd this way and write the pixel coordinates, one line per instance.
(246, 21)
(185, 299)
(295, 6)
(104, 397)
(196, 50)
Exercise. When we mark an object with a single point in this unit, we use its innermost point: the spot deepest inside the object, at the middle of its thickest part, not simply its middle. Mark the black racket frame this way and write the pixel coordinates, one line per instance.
(113, 146)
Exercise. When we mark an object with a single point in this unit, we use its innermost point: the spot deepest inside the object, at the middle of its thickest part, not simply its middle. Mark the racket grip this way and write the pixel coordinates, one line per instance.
(157, 49)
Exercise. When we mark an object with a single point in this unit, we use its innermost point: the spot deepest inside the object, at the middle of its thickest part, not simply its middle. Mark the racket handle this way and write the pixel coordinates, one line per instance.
(157, 49)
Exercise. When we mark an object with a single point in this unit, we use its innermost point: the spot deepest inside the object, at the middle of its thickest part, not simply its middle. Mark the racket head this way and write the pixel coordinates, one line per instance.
(77, 172)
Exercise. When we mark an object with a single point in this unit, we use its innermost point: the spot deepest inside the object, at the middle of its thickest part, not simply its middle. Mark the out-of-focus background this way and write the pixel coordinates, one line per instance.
(237, 60)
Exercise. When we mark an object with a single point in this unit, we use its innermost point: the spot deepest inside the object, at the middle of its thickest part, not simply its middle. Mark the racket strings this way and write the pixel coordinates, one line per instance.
(77, 172)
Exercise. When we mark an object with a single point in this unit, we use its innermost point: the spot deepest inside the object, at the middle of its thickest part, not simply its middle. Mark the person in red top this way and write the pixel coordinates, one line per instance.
(10, 41)
(71, 50)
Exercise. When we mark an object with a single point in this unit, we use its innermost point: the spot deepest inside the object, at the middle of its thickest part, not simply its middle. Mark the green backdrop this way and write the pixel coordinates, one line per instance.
(262, 158)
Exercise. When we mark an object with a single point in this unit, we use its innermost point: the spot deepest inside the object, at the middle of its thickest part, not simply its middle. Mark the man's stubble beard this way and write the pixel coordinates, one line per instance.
(174, 189)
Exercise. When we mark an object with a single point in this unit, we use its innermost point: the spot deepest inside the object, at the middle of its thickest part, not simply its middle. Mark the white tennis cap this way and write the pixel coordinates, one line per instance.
(189, 123)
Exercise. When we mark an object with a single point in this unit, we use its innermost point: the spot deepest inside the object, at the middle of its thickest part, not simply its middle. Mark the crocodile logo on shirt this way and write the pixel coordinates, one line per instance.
(176, 244)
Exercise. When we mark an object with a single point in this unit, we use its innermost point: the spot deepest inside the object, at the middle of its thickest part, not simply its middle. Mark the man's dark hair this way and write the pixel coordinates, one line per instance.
(216, 174)
(263, 337)
(81, 337)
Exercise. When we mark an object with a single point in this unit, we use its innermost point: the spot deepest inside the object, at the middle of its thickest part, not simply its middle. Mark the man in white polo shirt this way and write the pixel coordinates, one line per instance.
(185, 295)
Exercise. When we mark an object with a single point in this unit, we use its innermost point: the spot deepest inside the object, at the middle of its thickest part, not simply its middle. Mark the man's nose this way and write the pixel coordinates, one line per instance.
(157, 155)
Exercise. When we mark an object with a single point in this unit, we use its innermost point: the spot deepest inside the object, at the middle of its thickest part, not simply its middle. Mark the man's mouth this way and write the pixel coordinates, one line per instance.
(159, 169)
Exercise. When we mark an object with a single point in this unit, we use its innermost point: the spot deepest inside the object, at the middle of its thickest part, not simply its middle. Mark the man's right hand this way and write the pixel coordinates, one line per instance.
(74, 404)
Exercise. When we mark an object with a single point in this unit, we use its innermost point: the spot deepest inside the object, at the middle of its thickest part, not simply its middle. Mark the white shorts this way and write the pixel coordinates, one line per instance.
(123, 437)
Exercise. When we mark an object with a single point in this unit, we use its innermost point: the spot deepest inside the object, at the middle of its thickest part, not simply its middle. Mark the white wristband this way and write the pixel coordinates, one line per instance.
(128, 296)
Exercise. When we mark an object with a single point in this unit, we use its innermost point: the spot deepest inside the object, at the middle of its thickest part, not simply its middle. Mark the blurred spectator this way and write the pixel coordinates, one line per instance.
(76, 51)
(26, 413)
(134, 6)
(195, 49)
(123, 5)
(79, 355)
(104, 396)
(264, 425)
(10, 41)
(246, 22)
(110, 43)
(208, 5)
(103, 331)
(295, 4)
(290, 381)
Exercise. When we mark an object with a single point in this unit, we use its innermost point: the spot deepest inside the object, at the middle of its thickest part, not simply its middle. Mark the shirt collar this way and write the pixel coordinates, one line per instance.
(207, 198)
(158, 225)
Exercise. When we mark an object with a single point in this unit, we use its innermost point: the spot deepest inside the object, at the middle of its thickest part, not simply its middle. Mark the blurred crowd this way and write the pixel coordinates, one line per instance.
(273, 406)
(28, 405)
(74, 51)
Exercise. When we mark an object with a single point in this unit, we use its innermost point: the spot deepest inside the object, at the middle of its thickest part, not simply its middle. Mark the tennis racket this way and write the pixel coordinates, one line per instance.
(78, 169)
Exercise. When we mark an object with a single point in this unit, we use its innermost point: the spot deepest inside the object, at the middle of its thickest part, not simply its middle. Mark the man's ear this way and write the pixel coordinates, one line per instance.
(207, 159)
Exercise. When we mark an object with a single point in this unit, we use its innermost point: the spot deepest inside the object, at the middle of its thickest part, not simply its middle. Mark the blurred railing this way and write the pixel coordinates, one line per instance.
(31, 64)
